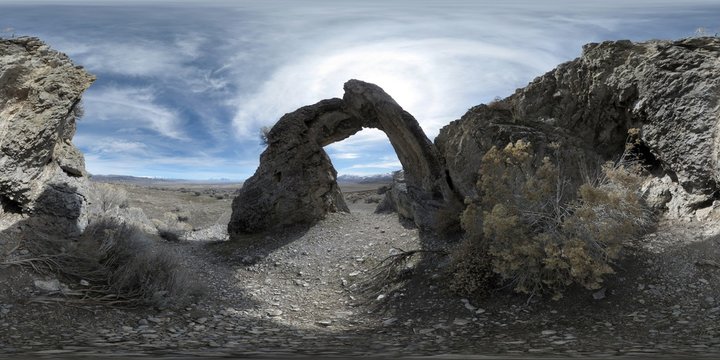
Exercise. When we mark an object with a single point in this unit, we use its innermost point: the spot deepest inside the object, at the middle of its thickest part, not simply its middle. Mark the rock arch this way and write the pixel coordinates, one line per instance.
(296, 182)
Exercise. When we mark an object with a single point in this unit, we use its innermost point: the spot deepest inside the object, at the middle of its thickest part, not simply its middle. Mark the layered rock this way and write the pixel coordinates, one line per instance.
(41, 172)
(667, 89)
(296, 182)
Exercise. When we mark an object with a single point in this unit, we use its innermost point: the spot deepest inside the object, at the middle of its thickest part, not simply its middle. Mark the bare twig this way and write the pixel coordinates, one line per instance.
(390, 269)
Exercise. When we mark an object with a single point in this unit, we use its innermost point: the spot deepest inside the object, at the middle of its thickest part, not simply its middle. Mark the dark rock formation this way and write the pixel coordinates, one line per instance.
(41, 172)
(296, 182)
(667, 89)
(578, 114)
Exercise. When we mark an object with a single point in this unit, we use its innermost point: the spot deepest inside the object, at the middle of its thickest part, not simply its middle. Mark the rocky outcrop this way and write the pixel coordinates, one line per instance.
(396, 199)
(667, 89)
(296, 182)
(41, 172)
(578, 114)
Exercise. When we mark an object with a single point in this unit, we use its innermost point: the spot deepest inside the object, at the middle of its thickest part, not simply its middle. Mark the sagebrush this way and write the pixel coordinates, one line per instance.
(172, 227)
(540, 232)
(117, 264)
(110, 196)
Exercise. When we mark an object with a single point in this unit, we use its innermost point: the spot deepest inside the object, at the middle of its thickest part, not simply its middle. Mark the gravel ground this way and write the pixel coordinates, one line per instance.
(300, 293)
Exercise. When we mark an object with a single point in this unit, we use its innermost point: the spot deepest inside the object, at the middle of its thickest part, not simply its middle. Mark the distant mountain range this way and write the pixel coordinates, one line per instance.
(141, 180)
(357, 179)
(127, 179)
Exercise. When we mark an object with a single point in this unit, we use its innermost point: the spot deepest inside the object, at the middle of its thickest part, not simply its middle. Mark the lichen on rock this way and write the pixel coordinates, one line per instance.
(41, 171)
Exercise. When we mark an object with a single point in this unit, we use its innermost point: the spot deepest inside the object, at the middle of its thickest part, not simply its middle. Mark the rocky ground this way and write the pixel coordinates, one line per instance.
(304, 293)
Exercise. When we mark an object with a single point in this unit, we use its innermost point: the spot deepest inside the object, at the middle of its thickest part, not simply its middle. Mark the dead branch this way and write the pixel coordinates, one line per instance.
(391, 269)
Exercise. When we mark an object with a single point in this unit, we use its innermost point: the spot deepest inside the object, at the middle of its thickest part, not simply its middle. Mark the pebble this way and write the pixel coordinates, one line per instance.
(274, 312)
(461, 322)
(599, 295)
(389, 322)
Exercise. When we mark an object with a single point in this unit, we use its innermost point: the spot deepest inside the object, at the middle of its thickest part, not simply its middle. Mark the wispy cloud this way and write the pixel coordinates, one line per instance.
(435, 79)
(184, 86)
(114, 147)
(134, 106)
(346, 156)
(378, 165)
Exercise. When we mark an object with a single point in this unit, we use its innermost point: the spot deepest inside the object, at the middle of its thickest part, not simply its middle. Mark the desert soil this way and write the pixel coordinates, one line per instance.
(305, 292)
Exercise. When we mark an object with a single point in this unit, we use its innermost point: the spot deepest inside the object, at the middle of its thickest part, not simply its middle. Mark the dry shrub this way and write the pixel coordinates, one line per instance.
(111, 196)
(471, 269)
(541, 237)
(134, 268)
(172, 227)
(118, 265)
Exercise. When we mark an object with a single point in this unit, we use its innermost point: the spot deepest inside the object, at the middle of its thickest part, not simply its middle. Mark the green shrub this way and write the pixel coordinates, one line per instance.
(538, 231)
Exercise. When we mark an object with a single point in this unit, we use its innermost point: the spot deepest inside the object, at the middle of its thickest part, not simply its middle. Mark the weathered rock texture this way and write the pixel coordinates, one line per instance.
(296, 182)
(41, 172)
(667, 89)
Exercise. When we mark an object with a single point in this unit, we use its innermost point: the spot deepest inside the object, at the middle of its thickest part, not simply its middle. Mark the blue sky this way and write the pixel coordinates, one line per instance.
(184, 86)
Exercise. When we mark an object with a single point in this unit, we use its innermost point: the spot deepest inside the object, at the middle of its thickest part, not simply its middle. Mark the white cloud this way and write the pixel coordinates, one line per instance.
(105, 146)
(133, 59)
(127, 107)
(431, 78)
(363, 140)
(346, 156)
(378, 165)
(234, 67)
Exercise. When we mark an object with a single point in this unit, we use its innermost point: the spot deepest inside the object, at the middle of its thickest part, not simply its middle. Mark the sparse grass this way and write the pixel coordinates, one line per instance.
(119, 264)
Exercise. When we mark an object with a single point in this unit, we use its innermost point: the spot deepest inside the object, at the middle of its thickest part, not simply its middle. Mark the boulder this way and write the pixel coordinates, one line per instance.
(41, 172)
(396, 199)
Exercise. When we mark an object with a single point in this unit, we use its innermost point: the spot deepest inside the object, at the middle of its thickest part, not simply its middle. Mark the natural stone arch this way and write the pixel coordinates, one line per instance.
(296, 181)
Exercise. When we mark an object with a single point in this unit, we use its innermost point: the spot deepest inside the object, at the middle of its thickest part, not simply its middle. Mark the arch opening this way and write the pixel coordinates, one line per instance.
(308, 189)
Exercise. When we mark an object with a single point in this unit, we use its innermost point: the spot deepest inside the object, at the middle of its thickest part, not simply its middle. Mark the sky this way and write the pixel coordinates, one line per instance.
(184, 87)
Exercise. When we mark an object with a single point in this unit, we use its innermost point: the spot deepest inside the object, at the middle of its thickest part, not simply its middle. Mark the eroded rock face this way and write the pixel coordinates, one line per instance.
(667, 89)
(41, 171)
(578, 114)
(296, 182)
